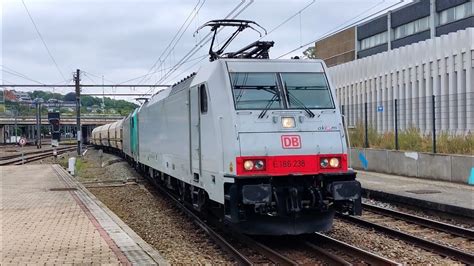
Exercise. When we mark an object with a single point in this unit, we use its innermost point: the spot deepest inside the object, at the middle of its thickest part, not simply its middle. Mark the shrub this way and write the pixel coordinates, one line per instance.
(412, 139)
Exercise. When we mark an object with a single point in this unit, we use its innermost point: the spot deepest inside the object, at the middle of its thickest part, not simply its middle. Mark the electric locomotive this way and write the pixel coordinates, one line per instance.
(260, 143)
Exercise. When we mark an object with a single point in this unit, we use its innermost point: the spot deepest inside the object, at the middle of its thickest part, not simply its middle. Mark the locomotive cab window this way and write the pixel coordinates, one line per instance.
(203, 98)
(266, 91)
(255, 91)
(309, 90)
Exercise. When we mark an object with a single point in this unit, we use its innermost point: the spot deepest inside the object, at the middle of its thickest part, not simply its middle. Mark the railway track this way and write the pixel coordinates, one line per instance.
(250, 251)
(445, 227)
(437, 237)
(324, 250)
(18, 159)
(28, 152)
(342, 253)
(265, 254)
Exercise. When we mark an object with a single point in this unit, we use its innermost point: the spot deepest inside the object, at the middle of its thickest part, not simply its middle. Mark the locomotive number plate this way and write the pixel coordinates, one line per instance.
(296, 163)
(293, 164)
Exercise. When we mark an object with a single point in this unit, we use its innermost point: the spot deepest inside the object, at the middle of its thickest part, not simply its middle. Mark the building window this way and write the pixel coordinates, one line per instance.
(456, 13)
(373, 40)
(411, 28)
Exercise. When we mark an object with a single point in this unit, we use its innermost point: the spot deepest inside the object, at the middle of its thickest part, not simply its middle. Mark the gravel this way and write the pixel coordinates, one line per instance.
(384, 245)
(180, 241)
(438, 236)
(434, 215)
(152, 217)
(295, 250)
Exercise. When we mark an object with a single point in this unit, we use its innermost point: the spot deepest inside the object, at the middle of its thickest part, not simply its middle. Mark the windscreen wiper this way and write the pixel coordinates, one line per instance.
(269, 104)
(297, 101)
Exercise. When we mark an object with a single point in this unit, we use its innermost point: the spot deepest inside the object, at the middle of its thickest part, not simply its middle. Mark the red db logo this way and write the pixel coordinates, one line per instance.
(291, 141)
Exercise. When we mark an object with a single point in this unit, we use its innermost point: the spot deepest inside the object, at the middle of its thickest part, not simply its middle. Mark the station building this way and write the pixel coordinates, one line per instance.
(421, 49)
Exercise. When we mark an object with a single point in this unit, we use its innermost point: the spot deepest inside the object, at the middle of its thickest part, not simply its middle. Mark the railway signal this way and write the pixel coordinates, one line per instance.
(54, 120)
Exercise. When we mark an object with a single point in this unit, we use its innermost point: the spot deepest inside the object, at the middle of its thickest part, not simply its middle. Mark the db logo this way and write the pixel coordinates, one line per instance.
(291, 141)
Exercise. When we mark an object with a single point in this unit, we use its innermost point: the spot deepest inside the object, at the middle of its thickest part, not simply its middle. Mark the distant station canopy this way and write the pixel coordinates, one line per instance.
(255, 50)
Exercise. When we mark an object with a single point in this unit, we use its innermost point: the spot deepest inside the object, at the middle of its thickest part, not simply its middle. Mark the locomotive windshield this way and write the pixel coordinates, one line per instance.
(310, 89)
(257, 91)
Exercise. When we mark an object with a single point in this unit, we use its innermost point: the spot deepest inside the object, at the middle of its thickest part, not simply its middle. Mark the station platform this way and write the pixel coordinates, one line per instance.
(437, 195)
(47, 217)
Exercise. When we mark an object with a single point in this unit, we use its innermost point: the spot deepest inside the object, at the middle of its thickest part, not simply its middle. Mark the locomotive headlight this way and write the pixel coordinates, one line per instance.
(288, 122)
(259, 165)
(324, 163)
(248, 165)
(334, 162)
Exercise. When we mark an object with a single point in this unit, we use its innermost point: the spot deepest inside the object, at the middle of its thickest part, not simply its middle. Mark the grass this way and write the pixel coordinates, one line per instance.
(81, 166)
(413, 140)
(68, 142)
(63, 161)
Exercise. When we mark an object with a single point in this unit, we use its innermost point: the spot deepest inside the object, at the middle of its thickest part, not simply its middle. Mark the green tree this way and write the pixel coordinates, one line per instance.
(90, 101)
(45, 95)
(70, 97)
(310, 53)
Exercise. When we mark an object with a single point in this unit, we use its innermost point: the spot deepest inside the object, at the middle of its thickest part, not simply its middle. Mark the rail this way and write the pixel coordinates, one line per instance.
(426, 244)
(321, 242)
(32, 156)
(241, 258)
(445, 227)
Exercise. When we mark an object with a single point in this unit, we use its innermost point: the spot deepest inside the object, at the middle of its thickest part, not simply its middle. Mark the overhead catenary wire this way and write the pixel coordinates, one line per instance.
(43, 41)
(17, 73)
(167, 76)
(199, 58)
(156, 71)
(343, 26)
(97, 76)
(201, 43)
(188, 68)
(190, 18)
(87, 76)
(289, 19)
(269, 32)
(205, 40)
(5, 80)
(21, 76)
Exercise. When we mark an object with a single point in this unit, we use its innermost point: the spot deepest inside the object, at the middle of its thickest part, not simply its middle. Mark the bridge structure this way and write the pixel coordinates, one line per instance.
(27, 126)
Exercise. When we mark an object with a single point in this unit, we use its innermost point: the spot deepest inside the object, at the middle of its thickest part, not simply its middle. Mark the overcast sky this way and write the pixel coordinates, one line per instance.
(121, 39)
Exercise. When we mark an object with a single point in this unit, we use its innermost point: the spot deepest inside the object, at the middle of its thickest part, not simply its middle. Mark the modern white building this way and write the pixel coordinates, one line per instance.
(442, 66)
(421, 55)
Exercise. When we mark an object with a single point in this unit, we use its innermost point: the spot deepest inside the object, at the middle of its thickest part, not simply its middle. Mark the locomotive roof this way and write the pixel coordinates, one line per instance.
(186, 82)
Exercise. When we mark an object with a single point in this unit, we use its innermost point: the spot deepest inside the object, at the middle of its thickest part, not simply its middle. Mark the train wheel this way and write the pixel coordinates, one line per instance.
(182, 191)
(199, 198)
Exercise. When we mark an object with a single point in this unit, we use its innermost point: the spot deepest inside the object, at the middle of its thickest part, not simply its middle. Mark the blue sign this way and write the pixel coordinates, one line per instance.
(470, 181)
(380, 108)
(363, 161)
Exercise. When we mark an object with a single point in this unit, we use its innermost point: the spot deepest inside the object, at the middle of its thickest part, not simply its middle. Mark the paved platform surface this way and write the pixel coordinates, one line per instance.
(443, 196)
(47, 217)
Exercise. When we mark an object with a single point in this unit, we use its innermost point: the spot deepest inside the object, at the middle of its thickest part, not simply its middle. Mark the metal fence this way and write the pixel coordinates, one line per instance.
(451, 115)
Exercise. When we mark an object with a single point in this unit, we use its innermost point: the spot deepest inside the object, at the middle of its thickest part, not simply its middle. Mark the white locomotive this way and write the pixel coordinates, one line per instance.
(260, 143)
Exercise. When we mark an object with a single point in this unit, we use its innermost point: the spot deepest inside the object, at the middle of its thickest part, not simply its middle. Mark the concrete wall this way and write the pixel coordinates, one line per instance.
(443, 167)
